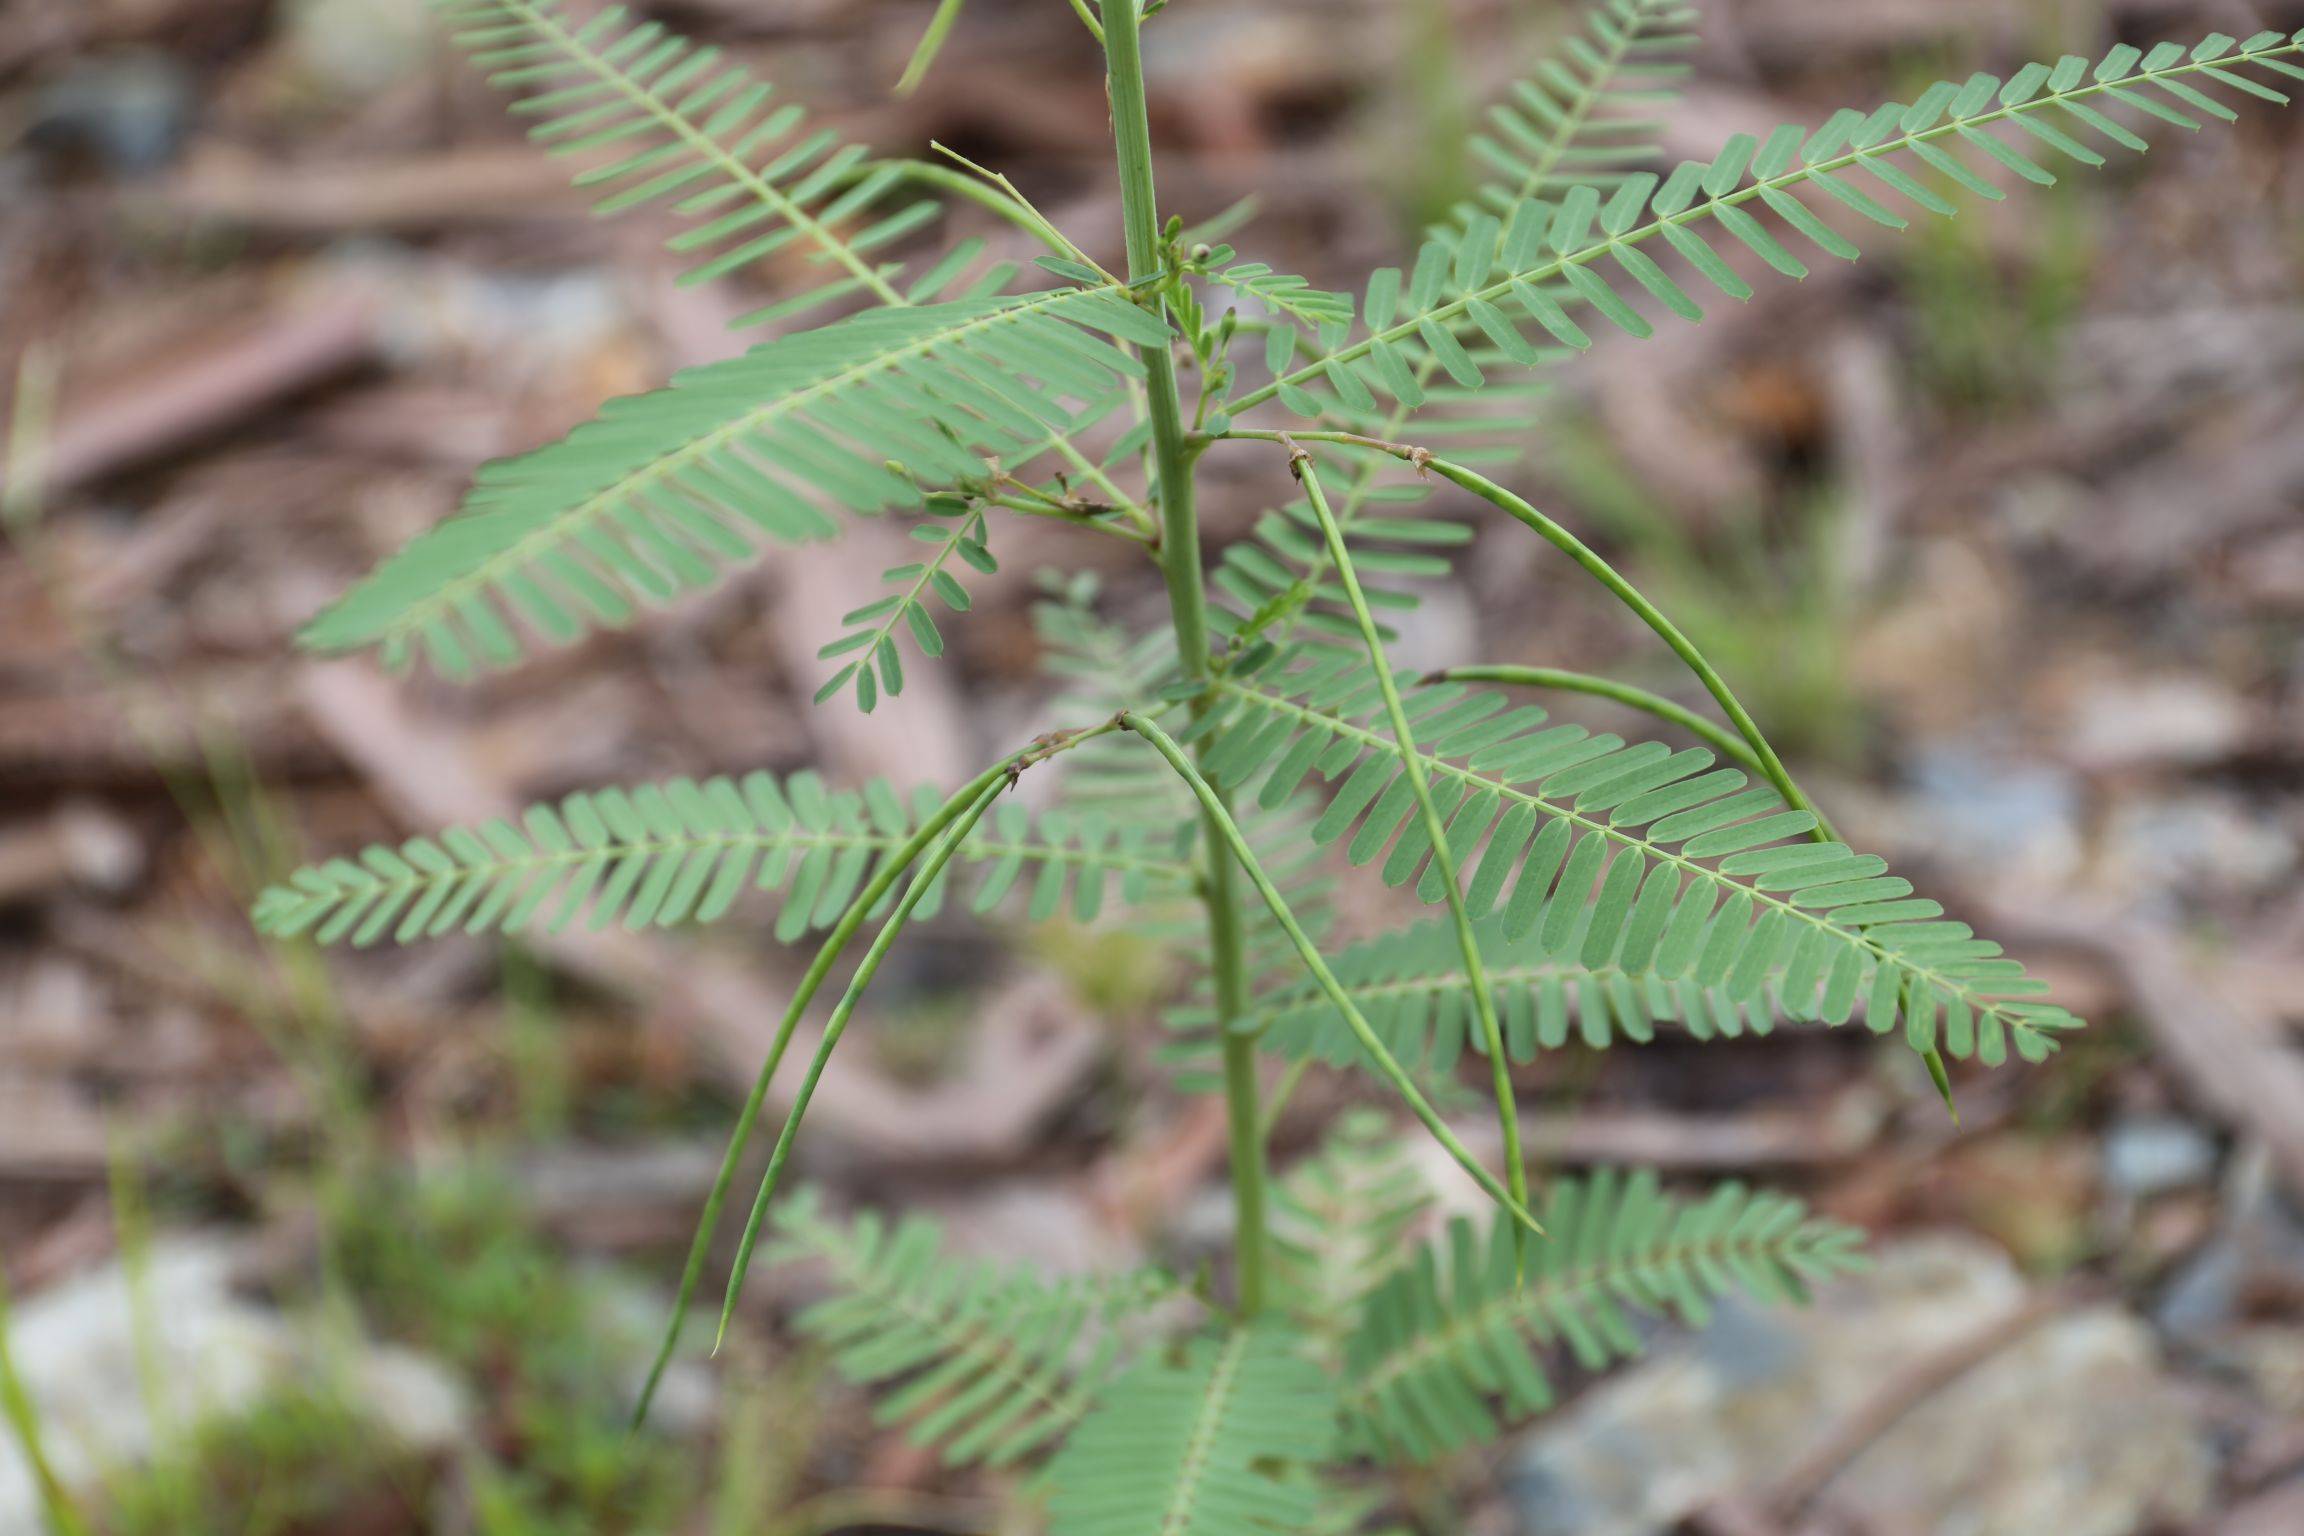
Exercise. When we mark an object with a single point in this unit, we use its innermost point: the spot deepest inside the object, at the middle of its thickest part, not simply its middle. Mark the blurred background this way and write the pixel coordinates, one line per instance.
(1998, 530)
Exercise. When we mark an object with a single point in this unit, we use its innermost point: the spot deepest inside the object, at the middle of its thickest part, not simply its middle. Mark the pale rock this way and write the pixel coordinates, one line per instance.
(2208, 843)
(1984, 809)
(213, 1354)
(2069, 1429)
(2154, 722)
(359, 47)
(2147, 1155)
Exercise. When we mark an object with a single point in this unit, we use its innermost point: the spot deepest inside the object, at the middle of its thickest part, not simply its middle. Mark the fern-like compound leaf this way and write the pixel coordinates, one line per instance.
(1280, 579)
(1650, 862)
(1586, 116)
(870, 661)
(1281, 292)
(1464, 1326)
(1102, 668)
(1557, 263)
(987, 1361)
(685, 852)
(669, 123)
(662, 492)
(1411, 987)
(1213, 1440)
(1341, 1224)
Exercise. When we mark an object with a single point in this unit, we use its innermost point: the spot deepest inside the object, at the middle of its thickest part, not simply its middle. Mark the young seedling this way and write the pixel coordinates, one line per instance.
(1587, 890)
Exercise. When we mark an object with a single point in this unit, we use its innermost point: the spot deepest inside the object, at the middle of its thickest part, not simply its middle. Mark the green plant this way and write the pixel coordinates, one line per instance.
(1589, 889)
(450, 1262)
(294, 1462)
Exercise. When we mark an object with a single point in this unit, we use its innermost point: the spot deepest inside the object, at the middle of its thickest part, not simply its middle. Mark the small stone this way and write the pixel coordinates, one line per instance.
(2155, 1155)
(359, 47)
(126, 114)
(2147, 722)
(77, 1349)
(2069, 1429)
(1986, 809)
(2238, 1303)
(2208, 843)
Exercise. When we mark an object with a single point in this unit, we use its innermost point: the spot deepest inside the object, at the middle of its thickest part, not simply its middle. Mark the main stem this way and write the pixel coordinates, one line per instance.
(1188, 607)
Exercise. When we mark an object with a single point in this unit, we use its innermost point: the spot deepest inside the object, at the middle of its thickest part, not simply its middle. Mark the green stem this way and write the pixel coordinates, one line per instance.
(1093, 473)
(1435, 829)
(1713, 733)
(1088, 19)
(1406, 451)
(842, 1012)
(1387, 1065)
(1172, 457)
(931, 44)
(828, 954)
(1188, 609)
(23, 1416)
(946, 179)
(1041, 506)
(1604, 573)
(1769, 764)
(996, 192)
(1243, 1121)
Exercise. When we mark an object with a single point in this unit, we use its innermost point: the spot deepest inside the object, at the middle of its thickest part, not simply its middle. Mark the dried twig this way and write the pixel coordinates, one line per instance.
(484, 186)
(182, 405)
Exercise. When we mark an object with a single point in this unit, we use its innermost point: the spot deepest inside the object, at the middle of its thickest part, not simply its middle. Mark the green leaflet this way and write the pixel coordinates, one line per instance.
(872, 667)
(1282, 292)
(1463, 1323)
(1410, 985)
(1546, 257)
(669, 123)
(662, 492)
(1576, 120)
(1208, 1443)
(1643, 859)
(682, 852)
(988, 1361)
(1281, 579)
(1586, 117)
(1342, 1221)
